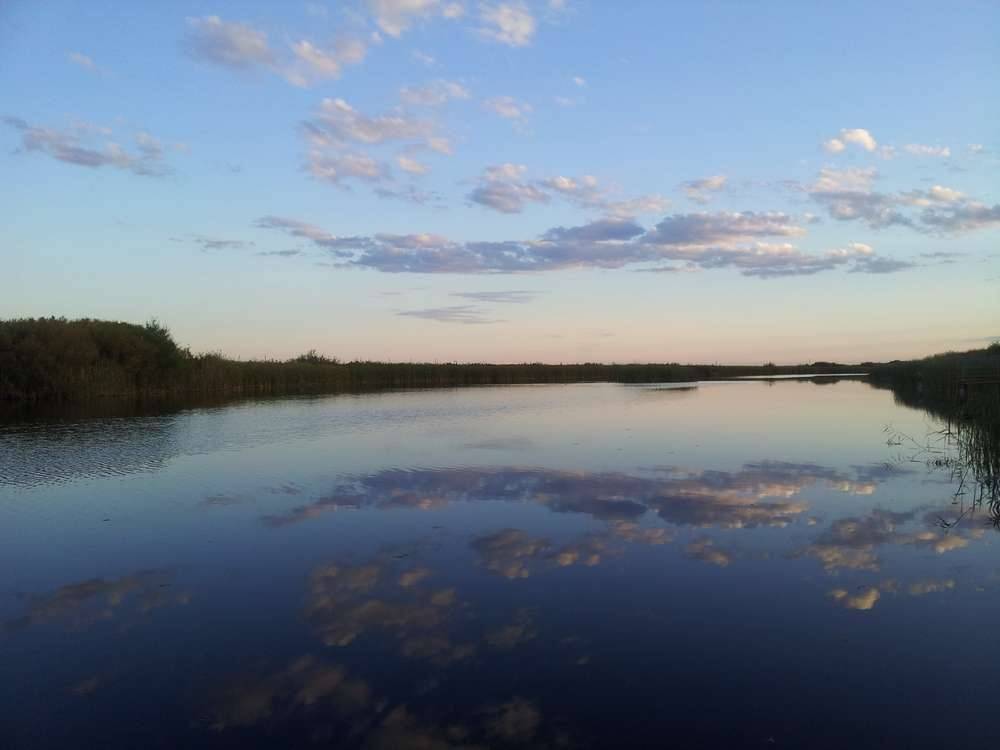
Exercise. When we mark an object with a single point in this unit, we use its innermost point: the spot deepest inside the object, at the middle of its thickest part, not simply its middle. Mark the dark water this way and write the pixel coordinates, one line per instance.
(737, 565)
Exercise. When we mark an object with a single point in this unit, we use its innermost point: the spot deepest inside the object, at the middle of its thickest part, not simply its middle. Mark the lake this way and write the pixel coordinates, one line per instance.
(737, 564)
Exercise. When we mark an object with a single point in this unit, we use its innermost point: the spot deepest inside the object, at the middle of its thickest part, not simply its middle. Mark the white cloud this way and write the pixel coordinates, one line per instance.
(856, 136)
(581, 82)
(396, 16)
(644, 204)
(433, 94)
(507, 23)
(977, 148)
(233, 44)
(313, 63)
(701, 191)
(920, 149)
(834, 146)
(507, 107)
(82, 60)
(241, 46)
(424, 58)
(335, 168)
(580, 189)
(79, 145)
(853, 178)
(411, 166)
(338, 123)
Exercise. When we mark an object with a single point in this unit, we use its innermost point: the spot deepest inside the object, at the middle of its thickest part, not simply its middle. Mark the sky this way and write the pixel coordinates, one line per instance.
(507, 181)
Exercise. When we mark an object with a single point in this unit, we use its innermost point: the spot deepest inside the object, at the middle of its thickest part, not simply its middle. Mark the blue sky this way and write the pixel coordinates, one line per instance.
(507, 181)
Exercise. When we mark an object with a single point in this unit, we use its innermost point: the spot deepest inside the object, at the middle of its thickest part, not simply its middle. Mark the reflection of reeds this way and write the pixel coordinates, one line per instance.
(968, 444)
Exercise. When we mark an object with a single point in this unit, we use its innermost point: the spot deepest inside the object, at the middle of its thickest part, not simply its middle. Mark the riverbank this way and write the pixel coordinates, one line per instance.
(53, 359)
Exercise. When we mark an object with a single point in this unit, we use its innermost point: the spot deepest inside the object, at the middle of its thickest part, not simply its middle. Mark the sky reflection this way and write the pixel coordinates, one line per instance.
(507, 581)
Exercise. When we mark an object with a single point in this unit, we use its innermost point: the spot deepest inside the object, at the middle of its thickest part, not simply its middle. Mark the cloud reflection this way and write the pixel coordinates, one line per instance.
(759, 494)
(83, 603)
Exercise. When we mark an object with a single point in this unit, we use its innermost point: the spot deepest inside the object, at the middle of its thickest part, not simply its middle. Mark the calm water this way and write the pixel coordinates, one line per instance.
(735, 565)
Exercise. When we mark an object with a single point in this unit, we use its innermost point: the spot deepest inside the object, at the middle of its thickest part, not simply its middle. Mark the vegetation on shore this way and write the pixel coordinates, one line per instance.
(942, 378)
(54, 359)
(962, 391)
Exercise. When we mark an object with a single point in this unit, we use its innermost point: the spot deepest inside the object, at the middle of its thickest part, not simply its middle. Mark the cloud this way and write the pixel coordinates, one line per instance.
(848, 196)
(737, 241)
(296, 228)
(71, 146)
(833, 146)
(863, 600)
(215, 243)
(424, 58)
(583, 191)
(83, 603)
(510, 296)
(701, 191)
(82, 60)
(704, 549)
(881, 265)
(759, 494)
(920, 149)
(240, 46)
(516, 721)
(335, 168)
(505, 188)
(312, 63)
(433, 94)
(644, 204)
(337, 132)
(930, 586)
(976, 148)
(408, 193)
(502, 188)
(507, 107)
(603, 230)
(338, 123)
(852, 542)
(227, 43)
(464, 314)
(281, 253)
(507, 23)
(722, 228)
(396, 16)
(579, 81)
(306, 683)
(410, 165)
(854, 136)
(965, 216)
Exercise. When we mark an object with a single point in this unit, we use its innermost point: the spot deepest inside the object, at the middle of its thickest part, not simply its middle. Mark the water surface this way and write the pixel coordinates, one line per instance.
(740, 564)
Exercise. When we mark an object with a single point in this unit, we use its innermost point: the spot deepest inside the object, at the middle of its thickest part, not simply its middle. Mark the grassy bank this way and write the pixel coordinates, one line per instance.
(939, 378)
(50, 359)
